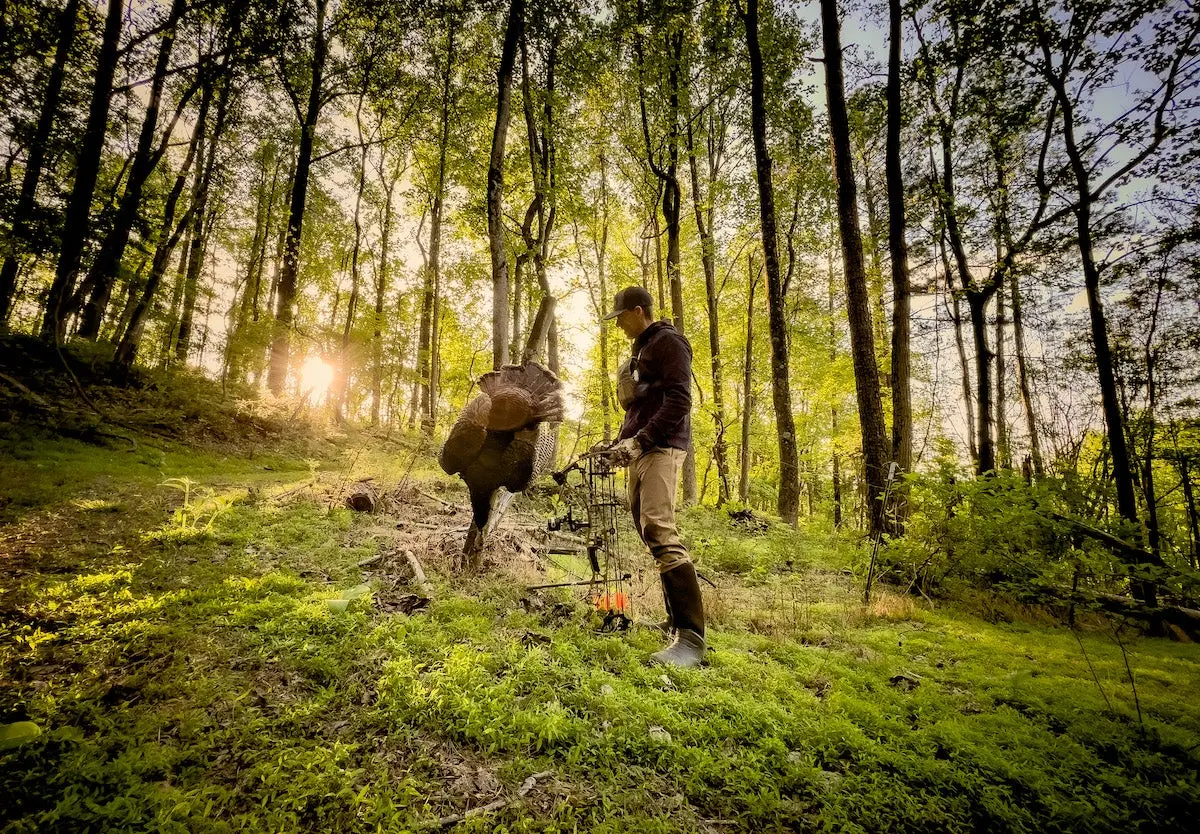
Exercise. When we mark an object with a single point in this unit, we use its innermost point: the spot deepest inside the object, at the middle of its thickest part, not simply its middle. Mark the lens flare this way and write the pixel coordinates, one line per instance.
(316, 375)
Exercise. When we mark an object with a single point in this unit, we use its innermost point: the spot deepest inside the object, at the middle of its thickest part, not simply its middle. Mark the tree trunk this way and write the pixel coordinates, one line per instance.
(495, 184)
(246, 310)
(672, 199)
(977, 304)
(1003, 450)
(204, 215)
(1189, 498)
(420, 403)
(131, 338)
(191, 280)
(1144, 590)
(133, 291)
(280, 242)
(858, 303)
(172, 324)
(1035, 445)
(382, 276)
(954, 308)
(789, 468)
(343, 388)
(747, 379)
(541, 146)
(87, 169)
(874, 271)
(833, 411)
(701, 208)
(977, 297)
(204, 212)
(104, 269)
(285, 300)
(1150, 358)
(429, 412)
(902, 420)
(36, 158)
(668, 177)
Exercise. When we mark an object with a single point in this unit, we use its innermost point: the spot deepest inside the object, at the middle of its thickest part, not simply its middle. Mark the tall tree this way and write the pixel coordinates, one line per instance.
(308, 115)
(102, 275)
(495, 183)
(170, 234)
(789, 465)
(432, 278)
(542, 141)
(747, 378)
(876, 450)
(711, 99)
(902, 421)
(23, 212)
(662, 158)
(1077, 46)
(76, 222)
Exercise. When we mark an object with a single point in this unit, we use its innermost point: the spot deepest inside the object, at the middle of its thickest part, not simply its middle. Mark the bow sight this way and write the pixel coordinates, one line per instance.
(594, 493)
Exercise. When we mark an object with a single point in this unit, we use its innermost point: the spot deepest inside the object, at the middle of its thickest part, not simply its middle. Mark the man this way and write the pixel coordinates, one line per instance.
(654, 388)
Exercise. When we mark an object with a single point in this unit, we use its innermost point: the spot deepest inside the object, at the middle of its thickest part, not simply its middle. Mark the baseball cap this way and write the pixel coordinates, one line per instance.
(629, 298)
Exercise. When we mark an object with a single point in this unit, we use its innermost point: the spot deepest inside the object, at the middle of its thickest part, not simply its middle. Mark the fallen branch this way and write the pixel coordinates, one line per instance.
(418, 574)
(1185, 619)
(1117, 544)
(280, 496)
(424, 525)
(24, 390)
(525, 788)
(441, 501)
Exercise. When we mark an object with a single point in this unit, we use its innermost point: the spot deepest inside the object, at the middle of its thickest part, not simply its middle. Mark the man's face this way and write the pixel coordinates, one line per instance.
(632, 322)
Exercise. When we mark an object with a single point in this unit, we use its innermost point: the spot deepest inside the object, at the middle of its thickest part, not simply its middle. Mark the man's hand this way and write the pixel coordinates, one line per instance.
(623, 452)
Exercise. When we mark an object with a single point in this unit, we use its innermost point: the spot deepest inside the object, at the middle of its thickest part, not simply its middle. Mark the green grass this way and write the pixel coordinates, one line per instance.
(201, 682)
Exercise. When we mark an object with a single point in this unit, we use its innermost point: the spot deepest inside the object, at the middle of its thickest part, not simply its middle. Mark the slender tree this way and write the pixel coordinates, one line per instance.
(495, 184)
(876, 450)
(308, 115)
(902, 421)
(789, 466)
(101, 277)
(36, 159)
(76, 223)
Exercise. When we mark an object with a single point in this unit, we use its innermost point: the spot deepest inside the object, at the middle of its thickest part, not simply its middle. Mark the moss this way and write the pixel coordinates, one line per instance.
(204, 685)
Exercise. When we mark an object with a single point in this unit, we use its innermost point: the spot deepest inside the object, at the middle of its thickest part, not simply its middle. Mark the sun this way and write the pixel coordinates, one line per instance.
(316, 375)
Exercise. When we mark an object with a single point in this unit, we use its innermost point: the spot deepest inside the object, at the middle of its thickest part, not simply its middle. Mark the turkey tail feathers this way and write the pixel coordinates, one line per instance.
(522, 395)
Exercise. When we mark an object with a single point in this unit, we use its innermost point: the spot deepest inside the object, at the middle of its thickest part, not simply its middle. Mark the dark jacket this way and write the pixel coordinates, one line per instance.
(660, 414)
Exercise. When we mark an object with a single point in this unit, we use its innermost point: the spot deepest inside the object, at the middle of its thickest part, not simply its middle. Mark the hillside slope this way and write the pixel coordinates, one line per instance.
(188, 628)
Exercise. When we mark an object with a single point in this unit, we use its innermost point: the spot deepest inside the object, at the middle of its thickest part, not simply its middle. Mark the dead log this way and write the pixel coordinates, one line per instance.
(362, 498)
(1186, 620)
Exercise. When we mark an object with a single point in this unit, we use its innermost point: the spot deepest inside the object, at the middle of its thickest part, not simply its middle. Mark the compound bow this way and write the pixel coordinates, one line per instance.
(608, 587)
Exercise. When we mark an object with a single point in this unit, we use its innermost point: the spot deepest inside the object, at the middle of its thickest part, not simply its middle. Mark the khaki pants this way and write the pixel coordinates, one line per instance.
(653, 479)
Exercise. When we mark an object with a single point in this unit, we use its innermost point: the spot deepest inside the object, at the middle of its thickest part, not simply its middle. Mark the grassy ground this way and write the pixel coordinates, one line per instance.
(189, 673)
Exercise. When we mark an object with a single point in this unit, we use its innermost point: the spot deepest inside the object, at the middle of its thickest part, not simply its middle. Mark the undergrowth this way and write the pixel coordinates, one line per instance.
(189, 674)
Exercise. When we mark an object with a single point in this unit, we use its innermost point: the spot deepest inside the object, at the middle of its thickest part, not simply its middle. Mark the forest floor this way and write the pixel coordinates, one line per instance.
(208, 640)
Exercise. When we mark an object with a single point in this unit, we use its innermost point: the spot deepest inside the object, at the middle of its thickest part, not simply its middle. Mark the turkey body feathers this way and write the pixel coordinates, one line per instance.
(506, 436)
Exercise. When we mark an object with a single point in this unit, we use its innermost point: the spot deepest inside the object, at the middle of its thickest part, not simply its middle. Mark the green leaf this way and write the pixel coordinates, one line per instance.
(16, 734)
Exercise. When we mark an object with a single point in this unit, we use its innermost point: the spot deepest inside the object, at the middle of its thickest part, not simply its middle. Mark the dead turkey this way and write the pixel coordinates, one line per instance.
(503, 440)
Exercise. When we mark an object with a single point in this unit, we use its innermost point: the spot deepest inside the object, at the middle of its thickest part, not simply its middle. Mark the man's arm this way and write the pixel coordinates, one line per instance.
(675, 363)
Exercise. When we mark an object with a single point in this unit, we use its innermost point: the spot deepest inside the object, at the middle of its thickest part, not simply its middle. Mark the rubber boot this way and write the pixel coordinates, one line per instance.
(667, 626)
(682, 590)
